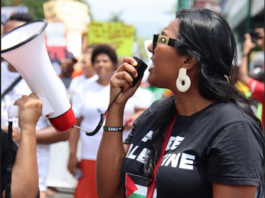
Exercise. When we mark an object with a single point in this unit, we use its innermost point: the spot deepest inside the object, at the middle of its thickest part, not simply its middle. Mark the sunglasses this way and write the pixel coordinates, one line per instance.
(164, 40)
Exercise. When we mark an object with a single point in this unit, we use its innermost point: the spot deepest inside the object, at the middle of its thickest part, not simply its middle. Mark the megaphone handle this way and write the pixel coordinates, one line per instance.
(46, 107)
(13, 111)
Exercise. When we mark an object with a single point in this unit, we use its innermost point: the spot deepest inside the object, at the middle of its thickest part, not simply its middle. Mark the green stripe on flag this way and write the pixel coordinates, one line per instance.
(136, 196)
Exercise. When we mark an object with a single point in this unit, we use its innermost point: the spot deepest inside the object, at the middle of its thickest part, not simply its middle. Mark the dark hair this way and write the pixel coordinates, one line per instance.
(105, 49)
(23, 17)
(207, 38)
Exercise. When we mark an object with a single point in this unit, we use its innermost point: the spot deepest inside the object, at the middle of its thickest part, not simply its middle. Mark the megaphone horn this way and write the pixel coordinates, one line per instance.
(24, 47)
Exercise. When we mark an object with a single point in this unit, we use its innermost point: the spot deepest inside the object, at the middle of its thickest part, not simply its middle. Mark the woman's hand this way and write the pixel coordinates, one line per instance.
(73, 163)
(30, 110)
(121, 79)
(248, 45)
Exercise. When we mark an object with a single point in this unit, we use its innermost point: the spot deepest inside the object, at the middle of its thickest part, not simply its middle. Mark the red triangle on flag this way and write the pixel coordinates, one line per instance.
(130, 186)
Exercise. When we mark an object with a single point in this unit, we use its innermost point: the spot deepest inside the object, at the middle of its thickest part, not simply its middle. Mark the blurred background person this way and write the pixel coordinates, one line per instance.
(2, 27)
(45, 133)
(255, 78)
(67, 68)
(24, 182)
(78, 70)
(2, 32)
(92, 99)
(88, 73)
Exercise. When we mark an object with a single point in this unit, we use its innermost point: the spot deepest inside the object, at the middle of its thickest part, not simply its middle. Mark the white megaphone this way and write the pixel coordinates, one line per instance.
(25, 49)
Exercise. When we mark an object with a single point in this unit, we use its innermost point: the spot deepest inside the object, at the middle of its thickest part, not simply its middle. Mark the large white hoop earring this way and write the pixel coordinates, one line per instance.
(183, 77)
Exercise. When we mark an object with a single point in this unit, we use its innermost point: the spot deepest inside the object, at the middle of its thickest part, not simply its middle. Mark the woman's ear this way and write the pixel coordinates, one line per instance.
(188, 62)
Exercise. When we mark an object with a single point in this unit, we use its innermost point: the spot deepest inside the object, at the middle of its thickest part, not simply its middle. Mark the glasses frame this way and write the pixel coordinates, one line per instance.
(164, 40)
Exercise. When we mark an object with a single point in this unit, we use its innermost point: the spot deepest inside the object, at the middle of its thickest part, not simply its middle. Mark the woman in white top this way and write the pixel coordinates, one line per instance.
(91, 99)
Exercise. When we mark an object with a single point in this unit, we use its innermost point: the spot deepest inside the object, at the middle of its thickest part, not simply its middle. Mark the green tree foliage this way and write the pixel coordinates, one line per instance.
(35, 6)
(116, 17)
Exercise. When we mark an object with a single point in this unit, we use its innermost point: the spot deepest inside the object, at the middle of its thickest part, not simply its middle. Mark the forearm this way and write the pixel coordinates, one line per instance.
(49, 135)
(73, 141)
(243, 71)
(110, 156)
(25, 169)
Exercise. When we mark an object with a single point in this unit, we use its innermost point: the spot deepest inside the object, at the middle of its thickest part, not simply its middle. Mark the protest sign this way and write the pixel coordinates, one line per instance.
(55, 37)
(119, 35)
(74, 14)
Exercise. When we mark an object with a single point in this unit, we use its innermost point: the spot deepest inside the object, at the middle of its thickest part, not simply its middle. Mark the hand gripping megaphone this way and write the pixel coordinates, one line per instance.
(25, 49)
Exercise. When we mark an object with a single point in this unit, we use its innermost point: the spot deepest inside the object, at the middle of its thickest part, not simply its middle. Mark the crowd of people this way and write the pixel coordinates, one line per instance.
(199, 137)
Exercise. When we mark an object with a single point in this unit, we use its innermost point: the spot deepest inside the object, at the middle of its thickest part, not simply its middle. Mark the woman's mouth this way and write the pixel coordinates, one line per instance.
(101, 69)
(151, 66)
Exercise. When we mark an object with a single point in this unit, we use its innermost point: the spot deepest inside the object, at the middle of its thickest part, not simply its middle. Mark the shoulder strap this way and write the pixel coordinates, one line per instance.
(11, 87)
(151, 188)
(10, 161)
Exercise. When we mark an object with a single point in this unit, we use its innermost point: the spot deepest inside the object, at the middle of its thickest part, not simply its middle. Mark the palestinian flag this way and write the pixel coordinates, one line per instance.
(136, 186)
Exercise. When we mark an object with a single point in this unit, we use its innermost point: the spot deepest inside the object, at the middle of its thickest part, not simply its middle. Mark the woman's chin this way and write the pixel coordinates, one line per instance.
(151, 81)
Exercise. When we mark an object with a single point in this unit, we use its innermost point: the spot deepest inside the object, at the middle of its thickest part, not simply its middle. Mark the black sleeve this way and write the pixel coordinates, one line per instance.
(4, 156)
(236, 155)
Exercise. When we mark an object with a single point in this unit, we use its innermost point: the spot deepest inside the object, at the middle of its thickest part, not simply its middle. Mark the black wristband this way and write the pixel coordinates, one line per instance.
(113, 129)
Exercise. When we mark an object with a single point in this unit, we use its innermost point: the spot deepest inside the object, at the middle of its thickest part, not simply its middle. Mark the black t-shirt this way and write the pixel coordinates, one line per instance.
(4, 156)
(219, 144)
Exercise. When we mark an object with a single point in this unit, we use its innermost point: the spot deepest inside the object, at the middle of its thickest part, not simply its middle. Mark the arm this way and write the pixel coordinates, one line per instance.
(46, 135)
(243, 69)
(111, 151)
(25, 167)
(232, 191)
(73, 141)
(229, 168)
(49, 135)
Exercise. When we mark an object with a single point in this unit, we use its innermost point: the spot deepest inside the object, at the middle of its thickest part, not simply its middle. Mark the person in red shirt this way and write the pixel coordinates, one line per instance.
(256, 87)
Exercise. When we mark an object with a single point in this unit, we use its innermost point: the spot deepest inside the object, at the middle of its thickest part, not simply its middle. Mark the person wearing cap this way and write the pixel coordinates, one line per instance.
(255, 78)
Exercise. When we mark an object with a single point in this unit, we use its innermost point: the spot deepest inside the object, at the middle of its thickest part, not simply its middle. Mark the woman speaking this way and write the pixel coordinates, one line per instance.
(203, 141)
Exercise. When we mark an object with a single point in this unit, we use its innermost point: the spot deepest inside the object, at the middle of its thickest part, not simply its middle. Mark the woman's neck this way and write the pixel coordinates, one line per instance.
(89, 75)
(190, 102)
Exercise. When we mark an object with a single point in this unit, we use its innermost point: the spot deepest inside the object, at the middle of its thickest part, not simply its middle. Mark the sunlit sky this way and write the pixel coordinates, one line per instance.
(147, 16)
